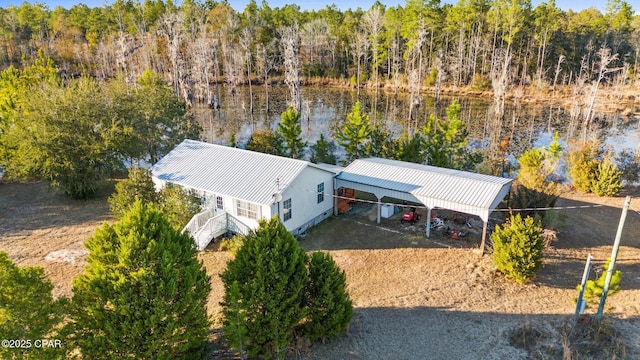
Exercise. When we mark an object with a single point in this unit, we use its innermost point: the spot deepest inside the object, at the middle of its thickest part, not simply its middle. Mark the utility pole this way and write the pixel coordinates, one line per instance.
(614, 254)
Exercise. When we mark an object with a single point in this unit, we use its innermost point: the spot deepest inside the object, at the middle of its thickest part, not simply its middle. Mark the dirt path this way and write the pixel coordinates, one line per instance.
(414, 297)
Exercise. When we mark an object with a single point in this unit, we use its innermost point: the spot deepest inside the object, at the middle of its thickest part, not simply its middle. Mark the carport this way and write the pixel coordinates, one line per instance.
(434, 187)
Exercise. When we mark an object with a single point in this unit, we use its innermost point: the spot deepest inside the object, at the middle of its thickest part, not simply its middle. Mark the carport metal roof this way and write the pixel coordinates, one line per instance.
(435, 187)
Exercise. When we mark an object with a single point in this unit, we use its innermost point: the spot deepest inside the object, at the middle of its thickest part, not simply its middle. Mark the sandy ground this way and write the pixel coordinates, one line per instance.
(414, 297)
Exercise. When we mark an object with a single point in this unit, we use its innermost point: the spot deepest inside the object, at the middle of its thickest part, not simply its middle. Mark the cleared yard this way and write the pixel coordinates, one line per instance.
(414, 298)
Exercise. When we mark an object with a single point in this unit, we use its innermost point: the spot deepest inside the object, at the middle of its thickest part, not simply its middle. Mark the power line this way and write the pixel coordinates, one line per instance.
(571, 207)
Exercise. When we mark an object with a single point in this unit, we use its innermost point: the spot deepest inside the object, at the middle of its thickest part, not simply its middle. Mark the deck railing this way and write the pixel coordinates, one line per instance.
(214, 227)
(198, 221)
(237, 226)
(206, 226)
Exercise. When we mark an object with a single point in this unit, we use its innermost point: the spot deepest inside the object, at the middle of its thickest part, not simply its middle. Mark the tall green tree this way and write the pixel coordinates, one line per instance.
(270, 270)
(138, 186)
(410, 149)
(143, 294)
(65, 141)
(178, 205)
(163, 121)
(290, 130)
(329, 307)
(381, 143)
(323, 151)
(355, 133)
(28, 311)
(16, 94)
(517, 248)
(446, 141)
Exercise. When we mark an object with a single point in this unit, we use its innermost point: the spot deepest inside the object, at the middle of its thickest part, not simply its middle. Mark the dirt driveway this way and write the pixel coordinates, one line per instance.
(438, 299)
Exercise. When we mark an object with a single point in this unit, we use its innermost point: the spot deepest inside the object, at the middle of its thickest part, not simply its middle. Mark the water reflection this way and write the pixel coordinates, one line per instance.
(524, 125)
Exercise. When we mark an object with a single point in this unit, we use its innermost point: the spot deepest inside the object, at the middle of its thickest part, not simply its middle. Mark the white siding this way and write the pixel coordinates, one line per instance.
(305, 208)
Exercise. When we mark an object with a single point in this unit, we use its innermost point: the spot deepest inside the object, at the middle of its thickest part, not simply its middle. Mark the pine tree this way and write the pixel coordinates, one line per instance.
(28, 311)
(607, 181)
(582, 164)
(289, 129)
(410, 149)
(143, 294)
(270, 270)
(445, 142)
(381, 143)
(355, 133)
(137, 186)
(329, 307)
(532, 173)
(235, 320)
(594, 288)
(517, 248)
(323, 151)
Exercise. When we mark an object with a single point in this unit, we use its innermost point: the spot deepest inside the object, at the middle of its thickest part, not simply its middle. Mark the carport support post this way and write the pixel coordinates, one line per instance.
(428, 221)
(379, 211)
(484, 237)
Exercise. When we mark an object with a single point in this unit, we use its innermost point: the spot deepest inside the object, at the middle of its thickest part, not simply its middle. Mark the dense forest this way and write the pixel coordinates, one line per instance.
(85, 91)
(483, 44)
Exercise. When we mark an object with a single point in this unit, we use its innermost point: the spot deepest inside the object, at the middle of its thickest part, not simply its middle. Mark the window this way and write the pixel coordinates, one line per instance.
(219, 203)
(287, 209)
(320, 193)
(247, 209)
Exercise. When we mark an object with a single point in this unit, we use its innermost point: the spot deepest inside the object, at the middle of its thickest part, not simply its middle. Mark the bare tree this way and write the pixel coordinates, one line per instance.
(500, 80)
(360, 47)
(233, 58)
(290, 41)
(374, 23)
(172, 29)
(266, 62)
(561, 59)
(395, 62)
(578, 91)
(414, 66)
(605, 59)
(245, 40)
(202, 51)
(314, 37)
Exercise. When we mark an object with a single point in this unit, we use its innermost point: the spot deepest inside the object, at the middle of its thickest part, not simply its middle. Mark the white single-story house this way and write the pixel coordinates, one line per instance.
(240, 187)
(248, 185)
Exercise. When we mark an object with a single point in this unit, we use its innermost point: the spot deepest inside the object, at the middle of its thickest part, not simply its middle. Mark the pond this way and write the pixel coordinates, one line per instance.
(324, 108)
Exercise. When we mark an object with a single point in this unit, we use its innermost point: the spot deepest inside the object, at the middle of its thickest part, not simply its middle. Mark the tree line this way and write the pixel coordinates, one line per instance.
(483, 44)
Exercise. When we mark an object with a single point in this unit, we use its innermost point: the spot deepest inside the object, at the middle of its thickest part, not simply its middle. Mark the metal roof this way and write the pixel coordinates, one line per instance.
(434, 186)
(242, 174)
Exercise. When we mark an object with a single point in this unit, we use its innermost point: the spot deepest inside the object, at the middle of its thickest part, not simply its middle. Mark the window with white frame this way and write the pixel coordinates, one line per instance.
(219, 202)
(248, 209)
(320, 193)
(286, 213)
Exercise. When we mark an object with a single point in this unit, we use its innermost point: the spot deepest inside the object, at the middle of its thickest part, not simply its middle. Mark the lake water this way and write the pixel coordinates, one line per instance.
(324, 108)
